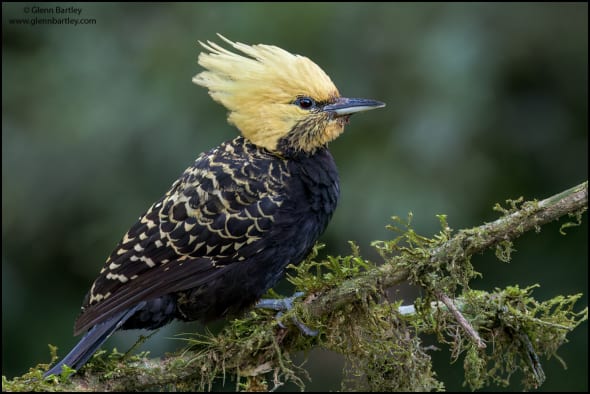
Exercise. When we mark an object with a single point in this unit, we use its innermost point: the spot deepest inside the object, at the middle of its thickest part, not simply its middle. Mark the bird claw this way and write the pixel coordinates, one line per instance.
(304, 329)
(283, 305)
(279, 304)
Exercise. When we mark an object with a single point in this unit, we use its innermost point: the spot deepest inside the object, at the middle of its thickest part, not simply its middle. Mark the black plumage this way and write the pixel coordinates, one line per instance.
(251, 214)
(227, 228)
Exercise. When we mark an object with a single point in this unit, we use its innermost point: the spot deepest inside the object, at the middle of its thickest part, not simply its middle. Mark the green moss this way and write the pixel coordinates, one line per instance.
(577, 216)
(451, 269)
(520, 330)
(315, 276)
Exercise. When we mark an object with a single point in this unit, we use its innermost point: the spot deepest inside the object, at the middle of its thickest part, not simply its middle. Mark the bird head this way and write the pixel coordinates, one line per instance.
(280, 101)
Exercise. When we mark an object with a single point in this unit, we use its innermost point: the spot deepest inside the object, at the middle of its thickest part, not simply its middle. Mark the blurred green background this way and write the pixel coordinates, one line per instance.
(484, 102)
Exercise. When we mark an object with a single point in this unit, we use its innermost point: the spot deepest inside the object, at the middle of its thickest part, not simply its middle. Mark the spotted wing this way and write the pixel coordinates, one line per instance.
(213, 216)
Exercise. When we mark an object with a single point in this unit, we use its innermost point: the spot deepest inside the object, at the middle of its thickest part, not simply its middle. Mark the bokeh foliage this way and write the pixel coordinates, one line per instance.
(484, 102)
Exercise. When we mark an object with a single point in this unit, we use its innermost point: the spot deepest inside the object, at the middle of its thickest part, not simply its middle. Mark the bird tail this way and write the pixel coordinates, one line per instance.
(92, 340)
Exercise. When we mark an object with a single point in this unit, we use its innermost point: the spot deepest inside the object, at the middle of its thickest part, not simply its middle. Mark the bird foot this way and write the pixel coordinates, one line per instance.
(283, 305)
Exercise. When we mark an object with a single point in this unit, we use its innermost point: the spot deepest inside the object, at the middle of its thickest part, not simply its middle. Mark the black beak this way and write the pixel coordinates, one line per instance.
(347, 106)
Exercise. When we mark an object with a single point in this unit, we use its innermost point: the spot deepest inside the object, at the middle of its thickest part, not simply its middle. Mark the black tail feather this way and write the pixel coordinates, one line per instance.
(92, 340)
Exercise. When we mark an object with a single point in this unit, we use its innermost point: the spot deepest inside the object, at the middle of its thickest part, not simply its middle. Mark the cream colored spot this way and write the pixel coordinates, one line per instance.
(95, 298)
(150, 263)
(120, 278)
(252, 239)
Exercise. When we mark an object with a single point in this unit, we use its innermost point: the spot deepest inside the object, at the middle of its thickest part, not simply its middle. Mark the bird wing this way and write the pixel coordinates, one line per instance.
(213, 216)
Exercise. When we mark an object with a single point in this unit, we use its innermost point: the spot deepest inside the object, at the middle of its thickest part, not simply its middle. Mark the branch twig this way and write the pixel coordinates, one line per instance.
(461, 320)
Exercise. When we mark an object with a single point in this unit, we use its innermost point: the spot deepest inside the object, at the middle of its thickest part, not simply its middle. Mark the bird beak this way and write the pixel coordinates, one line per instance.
(347, 106)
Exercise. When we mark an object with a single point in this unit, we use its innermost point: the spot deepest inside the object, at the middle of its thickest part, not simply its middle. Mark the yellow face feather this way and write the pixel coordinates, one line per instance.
(259, 86)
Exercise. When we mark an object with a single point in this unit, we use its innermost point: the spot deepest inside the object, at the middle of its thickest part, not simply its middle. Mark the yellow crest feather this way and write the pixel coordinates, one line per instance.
(258, 89)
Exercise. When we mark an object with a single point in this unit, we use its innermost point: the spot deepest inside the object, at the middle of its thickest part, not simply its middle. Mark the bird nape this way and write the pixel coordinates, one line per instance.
(227, 228)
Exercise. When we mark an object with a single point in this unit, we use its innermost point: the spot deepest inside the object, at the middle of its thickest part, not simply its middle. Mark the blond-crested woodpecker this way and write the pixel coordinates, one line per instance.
(227, 228)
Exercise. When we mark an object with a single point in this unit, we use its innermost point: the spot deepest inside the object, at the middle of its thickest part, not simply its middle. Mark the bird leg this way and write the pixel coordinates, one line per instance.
(283, 305)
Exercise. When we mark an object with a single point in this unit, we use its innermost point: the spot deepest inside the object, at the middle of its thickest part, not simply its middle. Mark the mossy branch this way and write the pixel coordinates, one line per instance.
(346, 301)
(397, 269)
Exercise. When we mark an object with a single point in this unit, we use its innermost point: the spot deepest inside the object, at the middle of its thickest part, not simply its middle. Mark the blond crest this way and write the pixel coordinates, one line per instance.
(259, 85)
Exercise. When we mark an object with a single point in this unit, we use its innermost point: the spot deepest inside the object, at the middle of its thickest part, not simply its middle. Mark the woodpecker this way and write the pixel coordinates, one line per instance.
(229, 226)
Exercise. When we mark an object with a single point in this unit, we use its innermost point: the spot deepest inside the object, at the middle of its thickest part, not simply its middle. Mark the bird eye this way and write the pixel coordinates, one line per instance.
(305, 102)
